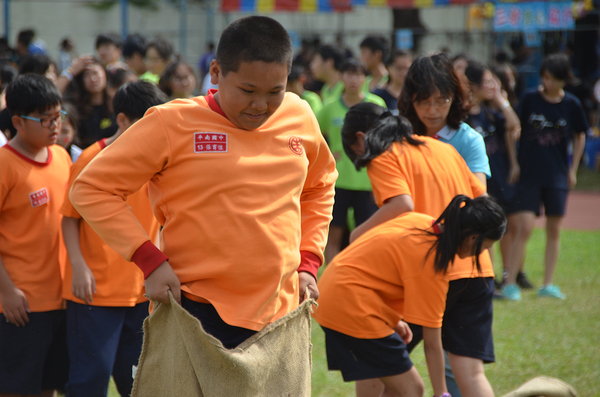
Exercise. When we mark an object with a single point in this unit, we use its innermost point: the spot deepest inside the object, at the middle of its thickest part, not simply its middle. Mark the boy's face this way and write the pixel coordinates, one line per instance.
(369, 58)
(353, 82)
(108, 53)
(136, 63)
(551, 83)
(318, 66)
(252, 94)
(33, 133)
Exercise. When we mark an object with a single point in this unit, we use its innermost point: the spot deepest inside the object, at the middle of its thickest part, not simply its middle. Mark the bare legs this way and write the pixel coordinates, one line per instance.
(470, 376)
(408, 384)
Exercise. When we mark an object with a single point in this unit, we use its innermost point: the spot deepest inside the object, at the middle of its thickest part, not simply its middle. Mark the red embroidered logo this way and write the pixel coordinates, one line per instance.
(39, 197)
(295, 145)
(210, 142)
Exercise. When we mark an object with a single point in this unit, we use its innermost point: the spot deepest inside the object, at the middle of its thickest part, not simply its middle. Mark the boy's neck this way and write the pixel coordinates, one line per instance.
(332, 77)
(552, 96)
(38, 154)
(351, 99)
(113, 138)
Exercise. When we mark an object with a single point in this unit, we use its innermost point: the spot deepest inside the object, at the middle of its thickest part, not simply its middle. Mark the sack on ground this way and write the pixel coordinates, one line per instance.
(180, 359)
(544, 386)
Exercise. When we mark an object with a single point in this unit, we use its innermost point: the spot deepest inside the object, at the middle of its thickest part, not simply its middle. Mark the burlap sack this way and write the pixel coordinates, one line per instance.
(544, 386)
(180, 359)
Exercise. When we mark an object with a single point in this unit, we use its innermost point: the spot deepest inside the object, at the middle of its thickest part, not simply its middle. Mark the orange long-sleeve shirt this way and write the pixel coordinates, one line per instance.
(31, 245)
(432, 174)
(118, 282)
(237, 206)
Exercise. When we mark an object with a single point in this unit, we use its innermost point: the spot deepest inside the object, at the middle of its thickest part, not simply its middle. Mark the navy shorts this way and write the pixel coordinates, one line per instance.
(361, 201)
(231, 336)
(531, 198)
(467, 325)
(359, 359)
(34, 358)
(103, 341)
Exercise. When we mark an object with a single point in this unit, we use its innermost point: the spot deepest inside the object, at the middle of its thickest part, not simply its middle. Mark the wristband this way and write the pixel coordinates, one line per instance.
(504, 107)
(67, 73)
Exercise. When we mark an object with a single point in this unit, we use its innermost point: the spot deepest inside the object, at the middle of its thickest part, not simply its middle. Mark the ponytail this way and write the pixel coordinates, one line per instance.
(465, 217)
(387, 130)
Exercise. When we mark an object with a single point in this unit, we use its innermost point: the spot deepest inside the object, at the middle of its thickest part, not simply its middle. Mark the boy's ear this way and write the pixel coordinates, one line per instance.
(18, 123)
(215, 71)
(123, 122)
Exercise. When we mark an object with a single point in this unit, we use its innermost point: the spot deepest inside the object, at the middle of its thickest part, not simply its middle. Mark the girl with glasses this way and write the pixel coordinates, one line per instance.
(178, 80)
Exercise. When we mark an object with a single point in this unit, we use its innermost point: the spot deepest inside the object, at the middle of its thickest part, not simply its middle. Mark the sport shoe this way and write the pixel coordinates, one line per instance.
(523, 282)
(511, 292)
(551, 291)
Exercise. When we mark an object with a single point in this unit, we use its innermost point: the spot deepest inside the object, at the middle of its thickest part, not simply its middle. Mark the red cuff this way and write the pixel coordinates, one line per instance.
(148, 258)
(309, 263)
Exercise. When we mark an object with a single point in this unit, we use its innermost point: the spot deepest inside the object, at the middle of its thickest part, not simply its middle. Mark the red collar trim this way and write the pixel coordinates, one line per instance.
(436, 229)
(102, 143)
(213, 104)
(23, 157)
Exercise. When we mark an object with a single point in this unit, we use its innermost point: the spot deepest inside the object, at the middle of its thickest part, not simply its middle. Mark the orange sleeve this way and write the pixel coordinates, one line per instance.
(316, 201)
(387, 178)
(100, 191)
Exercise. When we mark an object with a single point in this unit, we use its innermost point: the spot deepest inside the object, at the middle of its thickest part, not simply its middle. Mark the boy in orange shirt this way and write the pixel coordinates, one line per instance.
(242, 181)
(104, 293)
(33, 175)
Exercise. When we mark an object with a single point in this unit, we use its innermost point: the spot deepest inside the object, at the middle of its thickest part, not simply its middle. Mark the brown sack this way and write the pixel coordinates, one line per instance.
(544, 386)
(180, 359)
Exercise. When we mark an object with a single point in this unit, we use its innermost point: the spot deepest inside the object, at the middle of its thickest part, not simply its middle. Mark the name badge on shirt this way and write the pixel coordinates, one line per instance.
(210, 142)
(39, 197)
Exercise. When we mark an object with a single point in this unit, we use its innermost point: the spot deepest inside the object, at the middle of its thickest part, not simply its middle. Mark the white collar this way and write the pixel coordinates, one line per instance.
(447, 133)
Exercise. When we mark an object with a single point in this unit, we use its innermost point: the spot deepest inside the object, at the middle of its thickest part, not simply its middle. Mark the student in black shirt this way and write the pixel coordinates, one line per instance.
(550, 119)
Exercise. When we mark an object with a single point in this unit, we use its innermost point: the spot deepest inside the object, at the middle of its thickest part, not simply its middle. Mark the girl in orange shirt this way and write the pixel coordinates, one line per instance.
(395, 272)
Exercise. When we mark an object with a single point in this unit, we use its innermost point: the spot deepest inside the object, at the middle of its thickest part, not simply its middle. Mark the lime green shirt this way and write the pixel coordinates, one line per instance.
(314, 100)
(331, 119)
(151, 77)
(328, 93)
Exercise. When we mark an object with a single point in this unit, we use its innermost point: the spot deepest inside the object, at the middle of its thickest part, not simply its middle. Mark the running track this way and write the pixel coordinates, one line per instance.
(583, 212)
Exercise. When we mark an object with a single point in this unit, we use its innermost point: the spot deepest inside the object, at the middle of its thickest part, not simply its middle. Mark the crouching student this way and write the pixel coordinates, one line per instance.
(393, 273)
(104, 293)
(242, 181)
(33, 175)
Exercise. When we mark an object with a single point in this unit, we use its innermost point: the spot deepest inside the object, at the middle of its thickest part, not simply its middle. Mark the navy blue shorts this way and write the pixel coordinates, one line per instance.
(361, 201)
(34, 358)
(103, 341)
(359, 359)
(231, 336)
(531, 198)
(467, 326)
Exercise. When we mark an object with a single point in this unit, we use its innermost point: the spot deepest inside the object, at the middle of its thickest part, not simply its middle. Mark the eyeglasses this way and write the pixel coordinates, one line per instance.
(437, 103)
(182, 79)
(46, 122)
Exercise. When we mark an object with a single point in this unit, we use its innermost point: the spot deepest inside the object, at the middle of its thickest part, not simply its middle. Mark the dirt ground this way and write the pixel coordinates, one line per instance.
(583, 212)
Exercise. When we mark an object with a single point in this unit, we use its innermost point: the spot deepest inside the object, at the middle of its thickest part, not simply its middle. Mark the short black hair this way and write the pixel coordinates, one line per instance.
(329, 51)
(251, 39)
(558, 66)
(38, 64)
(108, 38)
(26, 36)
(133, 99)
(296, 71)
(353, 65)
(7, 75)
(135, 43)
(30, 93)
(117, 77)
(163, 47)
(377, 43)
(397, 53)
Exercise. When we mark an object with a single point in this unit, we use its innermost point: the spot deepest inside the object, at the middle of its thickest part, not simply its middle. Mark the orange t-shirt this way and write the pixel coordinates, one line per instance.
(432, 174)
(381, 278)
(31, 245)
(237, 206)
(118, 282)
